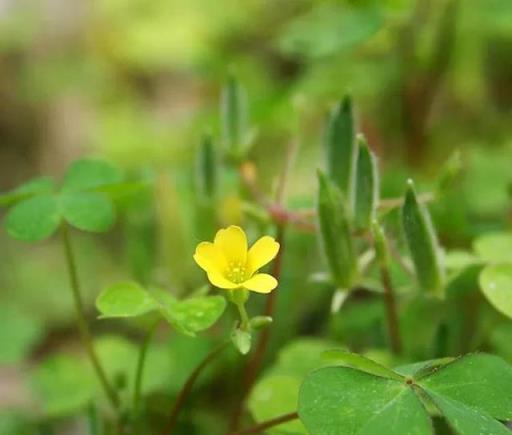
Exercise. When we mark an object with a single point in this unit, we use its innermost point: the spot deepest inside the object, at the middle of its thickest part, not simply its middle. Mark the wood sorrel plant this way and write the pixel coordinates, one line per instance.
(315, 386)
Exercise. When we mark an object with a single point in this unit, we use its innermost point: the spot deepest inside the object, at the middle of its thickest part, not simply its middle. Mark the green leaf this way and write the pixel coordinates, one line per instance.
(242, 340)
(190, 315)
(63, 384)
(466, 420)
(335, 234)
(480, 381)
(494, 248)
(341, 400)
(87, 174)
(88, 211)
(33, 219)
(234, 117)
(341, 148)
(19, 333)
(496, 284)
(207, 170)
(125, 299)
(360, 362)
(423, 368)
(36, 186)
(366, 186)
(422, 243)
(380, 243)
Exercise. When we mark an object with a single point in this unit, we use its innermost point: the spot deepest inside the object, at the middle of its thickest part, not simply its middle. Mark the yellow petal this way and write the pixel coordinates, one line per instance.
(232, 242)
(219, 281)
(261, 283)
(209, 258)
(261, 253)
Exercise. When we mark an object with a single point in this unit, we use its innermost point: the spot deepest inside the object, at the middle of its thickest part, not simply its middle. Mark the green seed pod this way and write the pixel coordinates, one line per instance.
(207, 168)
(380, 243)
(260, 322)
(341, 148)
(422, 243)
(335, 234)
(234, 117)
(366, 186)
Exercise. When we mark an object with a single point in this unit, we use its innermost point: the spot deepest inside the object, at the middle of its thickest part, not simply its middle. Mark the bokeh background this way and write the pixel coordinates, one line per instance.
(138, 82)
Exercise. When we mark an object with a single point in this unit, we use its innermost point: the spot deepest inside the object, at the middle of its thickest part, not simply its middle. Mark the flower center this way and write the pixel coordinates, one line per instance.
(236, 272)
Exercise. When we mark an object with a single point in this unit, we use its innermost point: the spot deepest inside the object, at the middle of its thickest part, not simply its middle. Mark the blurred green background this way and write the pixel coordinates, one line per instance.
(138, 82)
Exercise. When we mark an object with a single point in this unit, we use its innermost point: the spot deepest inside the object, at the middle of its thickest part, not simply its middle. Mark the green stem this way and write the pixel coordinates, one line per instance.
(391, 311)
(83, 327)
(140, 365)
(261, 427)
(187, 387)
(244, 317)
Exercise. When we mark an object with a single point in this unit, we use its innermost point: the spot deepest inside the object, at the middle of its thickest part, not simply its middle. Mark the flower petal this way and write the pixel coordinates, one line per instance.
(261, 253)
(209, 258)
(232, 242)
(219, 281)
(261, 283)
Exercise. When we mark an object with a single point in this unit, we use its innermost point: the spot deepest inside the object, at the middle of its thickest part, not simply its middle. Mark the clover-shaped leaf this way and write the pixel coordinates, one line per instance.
(87, 174)
(471, 392)
(496, 284)
(87, 211)
(34, 219)
(36, 186)
(125, 299)
(188, 316)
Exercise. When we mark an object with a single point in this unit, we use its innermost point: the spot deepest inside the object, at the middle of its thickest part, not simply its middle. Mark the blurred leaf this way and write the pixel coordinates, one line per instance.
(37, 186)
(125, 299)
(190, 315)
(335, 234)
(13, 423)
(366, 186)
(33, 219)
(422, 242)
(19, 333)
(234, 117)
(241, 340)
(329, 29)
(360, 362)
(496, 284)
(87, 174)
(346, 401)
(494, 248)
(88, 211)
(341, 149)
(477, 381)
(63, 384)
(458, 259)
(207, 168)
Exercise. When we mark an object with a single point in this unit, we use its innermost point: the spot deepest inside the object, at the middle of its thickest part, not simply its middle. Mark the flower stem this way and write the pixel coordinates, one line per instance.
(268, 424)
(391, 311)
(83, 327)
(140, 366)
(187, 387)
(244, 317)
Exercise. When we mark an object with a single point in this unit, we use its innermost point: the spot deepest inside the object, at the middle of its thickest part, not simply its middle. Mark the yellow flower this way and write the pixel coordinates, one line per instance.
(229, 265)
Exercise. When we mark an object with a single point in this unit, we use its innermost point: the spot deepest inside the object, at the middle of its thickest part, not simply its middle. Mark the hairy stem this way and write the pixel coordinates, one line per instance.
(140, 366)
(391, 311)
(82, 321)
(268, 424)
(187, 387)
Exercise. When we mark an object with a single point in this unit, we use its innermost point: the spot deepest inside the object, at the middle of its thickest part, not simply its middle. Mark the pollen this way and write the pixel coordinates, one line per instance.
(236, 272)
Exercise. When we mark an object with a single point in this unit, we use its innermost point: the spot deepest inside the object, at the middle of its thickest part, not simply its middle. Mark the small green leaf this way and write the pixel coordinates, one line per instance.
(190, 315)
(341, 148)
(335, 234)
(360, 362)
(125, 299)
(87, 174)
(466, 420)
(234, 117)
(242, 340)
(422, 243)
(33, 219)
(260, 322)
(207, 170)
(36, 186)
(496, 284)
(63, 384)
(480, 381)
(494, 248)
(341, 400)
(366, 186)
(381, 244)
(88, 211)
